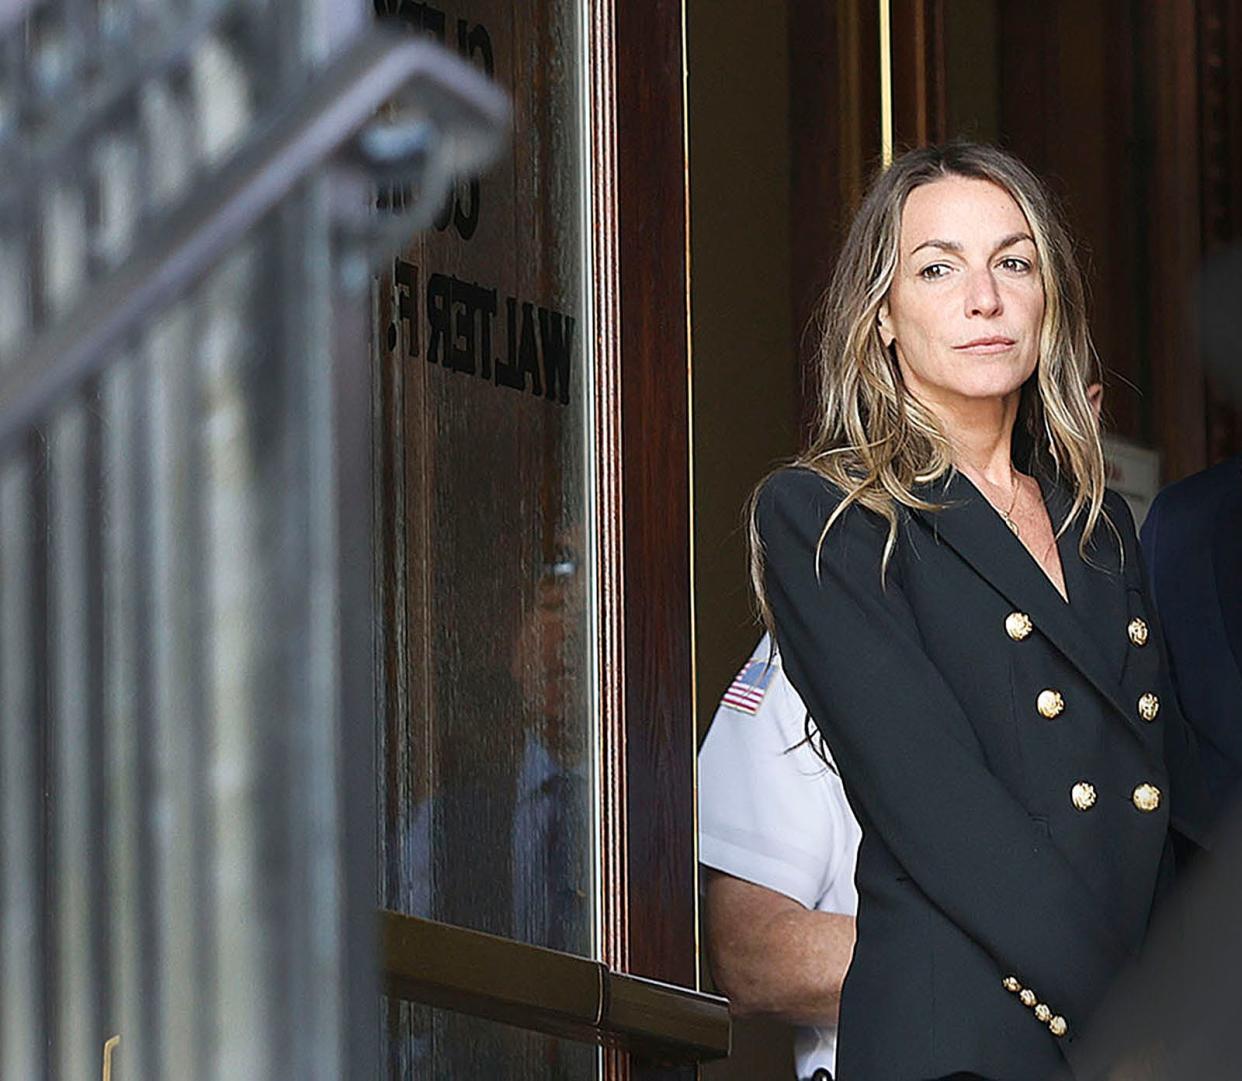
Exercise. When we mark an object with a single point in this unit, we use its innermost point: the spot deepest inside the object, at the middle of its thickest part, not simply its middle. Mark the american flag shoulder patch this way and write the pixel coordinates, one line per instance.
(746, 692)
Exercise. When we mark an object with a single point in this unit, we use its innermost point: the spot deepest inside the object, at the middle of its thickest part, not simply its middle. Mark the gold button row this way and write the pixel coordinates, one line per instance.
(1043, 1014)
(1146, 797)
(1018, 626)
(1051, 704)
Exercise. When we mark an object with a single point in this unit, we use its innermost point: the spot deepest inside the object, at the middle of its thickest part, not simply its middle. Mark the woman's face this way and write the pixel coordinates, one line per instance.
(966, 303)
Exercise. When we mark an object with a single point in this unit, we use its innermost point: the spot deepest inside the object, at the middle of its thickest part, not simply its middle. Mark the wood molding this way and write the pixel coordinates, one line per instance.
(610, 519)
(1177, 385)
(834, 121)
(1220, 72)
(641, 310)
(918, 73)
(655, 476)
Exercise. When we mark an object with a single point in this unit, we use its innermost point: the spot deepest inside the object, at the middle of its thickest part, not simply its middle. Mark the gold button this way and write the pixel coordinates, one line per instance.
(1146, 797)
(1027, 997)
(1083, 795)
(1050, 703)
(1043, 1014)
(1057, 1026)
(1148, 707)
(1137, 630)
(1018, 625)
(1010, 983)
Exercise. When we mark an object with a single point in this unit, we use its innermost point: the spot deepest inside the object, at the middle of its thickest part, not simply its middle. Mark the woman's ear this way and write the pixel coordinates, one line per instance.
(884, 323)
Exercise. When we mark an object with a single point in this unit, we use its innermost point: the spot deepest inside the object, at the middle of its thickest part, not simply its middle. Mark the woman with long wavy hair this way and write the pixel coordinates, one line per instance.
(960, 602)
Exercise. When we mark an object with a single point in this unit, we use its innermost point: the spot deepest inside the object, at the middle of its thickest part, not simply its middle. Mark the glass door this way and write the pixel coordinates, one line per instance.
(535, 771)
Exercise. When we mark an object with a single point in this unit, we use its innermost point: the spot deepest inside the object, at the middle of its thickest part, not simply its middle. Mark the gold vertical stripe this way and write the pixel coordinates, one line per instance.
(886, 83)
(694, 635)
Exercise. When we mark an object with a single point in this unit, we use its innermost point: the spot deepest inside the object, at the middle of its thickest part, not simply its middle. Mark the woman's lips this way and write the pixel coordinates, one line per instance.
(986, 346)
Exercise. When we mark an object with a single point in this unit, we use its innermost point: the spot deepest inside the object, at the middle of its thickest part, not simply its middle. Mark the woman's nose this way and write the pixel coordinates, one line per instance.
(982, 296)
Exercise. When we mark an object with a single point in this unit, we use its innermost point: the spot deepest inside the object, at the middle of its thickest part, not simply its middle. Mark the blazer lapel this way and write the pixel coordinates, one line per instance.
(1097, 583)
(970, 526)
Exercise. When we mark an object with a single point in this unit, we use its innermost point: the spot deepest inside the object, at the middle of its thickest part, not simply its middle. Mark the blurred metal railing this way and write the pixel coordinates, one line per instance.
(186, 679)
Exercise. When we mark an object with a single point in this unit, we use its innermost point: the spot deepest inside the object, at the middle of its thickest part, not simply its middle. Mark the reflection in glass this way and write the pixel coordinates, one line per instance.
(482, 1050)
(488, 782)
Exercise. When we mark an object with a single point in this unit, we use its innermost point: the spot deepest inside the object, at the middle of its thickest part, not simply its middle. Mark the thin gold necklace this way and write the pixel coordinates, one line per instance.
(1007, 514)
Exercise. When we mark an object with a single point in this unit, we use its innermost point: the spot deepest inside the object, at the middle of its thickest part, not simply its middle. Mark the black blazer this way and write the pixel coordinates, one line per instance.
(1192, 539)
(980, 882)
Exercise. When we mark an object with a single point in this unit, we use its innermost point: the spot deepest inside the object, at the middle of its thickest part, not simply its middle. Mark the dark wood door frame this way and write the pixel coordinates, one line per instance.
(918, 73)
(639, 261)
(834, 118)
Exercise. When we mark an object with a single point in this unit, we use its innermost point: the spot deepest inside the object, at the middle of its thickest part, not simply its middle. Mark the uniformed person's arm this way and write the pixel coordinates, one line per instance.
(774, 957)
(913, 766)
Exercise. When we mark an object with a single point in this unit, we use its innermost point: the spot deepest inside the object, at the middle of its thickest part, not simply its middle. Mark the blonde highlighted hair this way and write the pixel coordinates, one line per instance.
(872, 439)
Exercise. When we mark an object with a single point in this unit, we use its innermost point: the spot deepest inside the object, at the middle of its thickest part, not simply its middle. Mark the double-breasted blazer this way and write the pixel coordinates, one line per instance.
(1015, 762)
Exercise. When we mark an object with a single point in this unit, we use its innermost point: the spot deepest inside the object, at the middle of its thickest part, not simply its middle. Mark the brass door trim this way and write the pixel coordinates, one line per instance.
(576, 998)
(886, 83)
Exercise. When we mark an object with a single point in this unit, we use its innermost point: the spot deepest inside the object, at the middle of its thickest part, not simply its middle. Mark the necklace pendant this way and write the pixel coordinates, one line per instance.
(1013, 526)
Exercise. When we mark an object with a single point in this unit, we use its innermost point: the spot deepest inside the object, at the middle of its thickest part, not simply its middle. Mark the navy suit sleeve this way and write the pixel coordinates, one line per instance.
(1191, 813)
(909, 755)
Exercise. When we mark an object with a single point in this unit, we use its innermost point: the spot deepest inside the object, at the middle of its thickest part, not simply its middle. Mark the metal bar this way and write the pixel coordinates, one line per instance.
(137, 63)
(94, 610)
(548, 991)
(41, 718)
(12, 11)
(194, 567)
(427, 961)
(351, 637)
(239, 620)
(333, 110)
(181, 646)
(130, 942)
(22, 1026)
(178, 647)
(14, 88)
(31, 243)
(144, 1048)
(75, 821)
(656, 1015)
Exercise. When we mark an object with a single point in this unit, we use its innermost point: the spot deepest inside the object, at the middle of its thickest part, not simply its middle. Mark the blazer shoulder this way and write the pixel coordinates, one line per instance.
(1119, 513)
(798, 494)
(792, 512)
(798, 481)
(1201, 492)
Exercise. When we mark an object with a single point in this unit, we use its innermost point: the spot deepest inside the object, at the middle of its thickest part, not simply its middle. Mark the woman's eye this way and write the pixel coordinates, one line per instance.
(933, 272)
(1015, 264)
